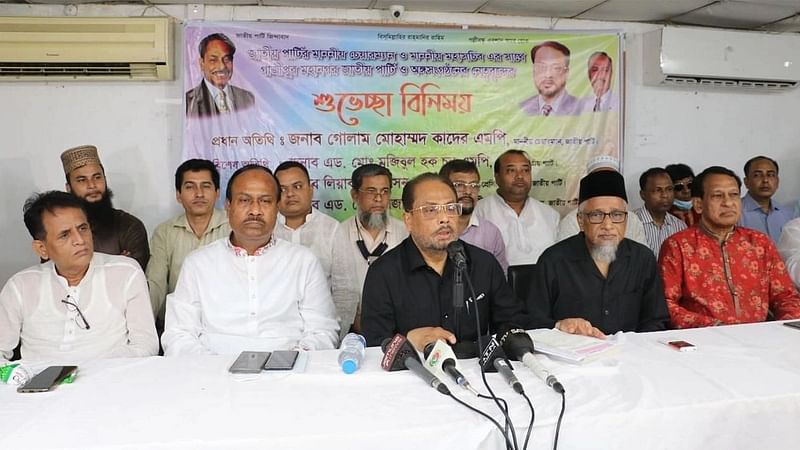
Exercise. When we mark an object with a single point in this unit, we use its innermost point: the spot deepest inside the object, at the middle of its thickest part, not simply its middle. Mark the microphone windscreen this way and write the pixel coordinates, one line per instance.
(515, 341)
(455, 250)
(396, 350)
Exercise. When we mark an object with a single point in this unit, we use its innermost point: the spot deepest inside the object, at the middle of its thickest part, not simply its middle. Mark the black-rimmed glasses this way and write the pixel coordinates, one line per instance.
(80, 319)
(597, 217)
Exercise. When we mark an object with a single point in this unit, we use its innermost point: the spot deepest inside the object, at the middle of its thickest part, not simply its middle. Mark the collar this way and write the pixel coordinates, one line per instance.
(239, 251)
(713, 236)
(556, 102)
(218, 218)
(473, 222)
(309, 217)
(214, 91)
(750, 204)
(414, 260)
(502, 202)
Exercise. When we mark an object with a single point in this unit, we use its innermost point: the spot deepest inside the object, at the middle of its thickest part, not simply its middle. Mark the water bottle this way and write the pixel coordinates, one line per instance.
(351, 352)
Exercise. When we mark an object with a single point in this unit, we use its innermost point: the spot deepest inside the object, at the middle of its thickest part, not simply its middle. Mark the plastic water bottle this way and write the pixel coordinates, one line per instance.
(351, 352)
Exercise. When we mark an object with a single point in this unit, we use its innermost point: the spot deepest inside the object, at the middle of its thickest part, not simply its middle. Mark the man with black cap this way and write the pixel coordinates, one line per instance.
(598, 282)
(115, 232)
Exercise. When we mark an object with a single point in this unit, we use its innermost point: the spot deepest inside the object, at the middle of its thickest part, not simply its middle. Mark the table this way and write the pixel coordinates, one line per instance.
(739, 390)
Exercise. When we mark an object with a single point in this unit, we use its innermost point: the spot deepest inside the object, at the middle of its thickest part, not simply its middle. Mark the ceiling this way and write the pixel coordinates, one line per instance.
(770, 15)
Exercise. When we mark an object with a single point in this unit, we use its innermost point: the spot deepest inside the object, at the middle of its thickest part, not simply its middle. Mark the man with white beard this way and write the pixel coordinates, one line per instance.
(361, 239)
(598, 282)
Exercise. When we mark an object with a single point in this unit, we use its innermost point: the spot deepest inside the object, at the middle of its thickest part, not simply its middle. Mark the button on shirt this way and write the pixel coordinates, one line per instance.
(316, 234)
(401, 293)
(527, 235)
(172, 241)
(770, 223)
(112, 297)
(568, 284)
(655, 234)
(228, 301)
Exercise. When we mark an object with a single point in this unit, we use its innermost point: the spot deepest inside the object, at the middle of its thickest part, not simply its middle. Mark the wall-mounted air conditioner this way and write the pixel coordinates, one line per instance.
(82, 48)
(721, 58)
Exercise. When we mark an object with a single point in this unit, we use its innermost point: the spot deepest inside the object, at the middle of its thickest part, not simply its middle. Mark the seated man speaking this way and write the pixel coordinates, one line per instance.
(598, 282)
(409, 290)
(79, 304)
(250, 291)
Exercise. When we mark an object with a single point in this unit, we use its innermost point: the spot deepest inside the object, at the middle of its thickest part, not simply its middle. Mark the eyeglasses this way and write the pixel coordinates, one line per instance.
(432, 211)
(597, 217)
(460, 185)
(678, 187)
(557, 69)
(80, 319)
(375, 193)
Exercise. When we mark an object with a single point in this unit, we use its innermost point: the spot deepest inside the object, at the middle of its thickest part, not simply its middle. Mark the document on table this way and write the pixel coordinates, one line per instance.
(571, 347)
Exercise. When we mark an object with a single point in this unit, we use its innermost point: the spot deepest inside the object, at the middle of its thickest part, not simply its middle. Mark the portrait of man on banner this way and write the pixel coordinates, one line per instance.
(550, 72)
(600, 70)
(215, 95)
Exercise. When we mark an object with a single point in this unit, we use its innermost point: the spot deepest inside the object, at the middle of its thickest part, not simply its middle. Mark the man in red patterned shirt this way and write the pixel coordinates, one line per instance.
(716, 273)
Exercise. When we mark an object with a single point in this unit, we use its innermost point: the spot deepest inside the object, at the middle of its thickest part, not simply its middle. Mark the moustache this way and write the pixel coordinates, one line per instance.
(445, 228)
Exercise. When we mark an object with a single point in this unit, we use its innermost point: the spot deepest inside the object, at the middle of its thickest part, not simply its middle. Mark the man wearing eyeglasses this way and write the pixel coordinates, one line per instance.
(550, 72)
(79, 305)
(298, 221)
(598, 282)
(409, 290)
(481, 233)
(362, 239)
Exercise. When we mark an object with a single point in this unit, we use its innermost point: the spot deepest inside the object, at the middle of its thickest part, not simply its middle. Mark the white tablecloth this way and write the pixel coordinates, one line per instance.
(739, 390)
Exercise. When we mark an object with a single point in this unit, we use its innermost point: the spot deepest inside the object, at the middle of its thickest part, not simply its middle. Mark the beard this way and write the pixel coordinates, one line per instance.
(101, 212)
(373, 221)
(606, 253)
(467, 205)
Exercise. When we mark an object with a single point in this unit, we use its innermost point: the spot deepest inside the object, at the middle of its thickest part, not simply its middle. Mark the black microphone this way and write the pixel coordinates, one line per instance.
(399, 354)
(493, 359)
(455, 250)
(519, 346)
(440, 359)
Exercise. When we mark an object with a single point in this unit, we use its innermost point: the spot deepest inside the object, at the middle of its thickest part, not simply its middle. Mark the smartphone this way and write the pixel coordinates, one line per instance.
(249, 362)
(47, 379)
(795, 324)
(281, 360)
(682, 346)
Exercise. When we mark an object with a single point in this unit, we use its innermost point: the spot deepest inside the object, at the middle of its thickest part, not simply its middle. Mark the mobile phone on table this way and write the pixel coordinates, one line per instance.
(281, 360)
(249, 362)
(47, 379)
(795, 324)
(682, 346)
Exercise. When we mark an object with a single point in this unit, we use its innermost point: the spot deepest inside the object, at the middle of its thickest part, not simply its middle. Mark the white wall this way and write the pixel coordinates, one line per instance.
(137, 126)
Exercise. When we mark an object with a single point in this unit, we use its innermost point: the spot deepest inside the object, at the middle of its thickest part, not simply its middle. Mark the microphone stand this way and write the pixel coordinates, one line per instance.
(458, 301)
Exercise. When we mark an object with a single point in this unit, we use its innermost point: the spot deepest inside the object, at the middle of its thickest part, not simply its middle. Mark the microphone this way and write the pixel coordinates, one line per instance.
(493, 359)
(440, 359)
(399, 354)
(519, 346)
(455, 250)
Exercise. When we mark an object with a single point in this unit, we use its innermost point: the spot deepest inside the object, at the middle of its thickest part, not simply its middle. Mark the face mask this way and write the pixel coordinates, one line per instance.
(682, 204)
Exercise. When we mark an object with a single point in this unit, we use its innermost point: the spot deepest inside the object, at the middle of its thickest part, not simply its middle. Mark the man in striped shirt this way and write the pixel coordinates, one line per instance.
(656, 191)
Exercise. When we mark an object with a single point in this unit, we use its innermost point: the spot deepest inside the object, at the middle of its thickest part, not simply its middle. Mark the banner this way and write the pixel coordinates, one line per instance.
(336, 97)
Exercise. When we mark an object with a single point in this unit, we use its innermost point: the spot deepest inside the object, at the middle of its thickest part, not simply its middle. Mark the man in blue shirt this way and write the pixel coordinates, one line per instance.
(759, 211)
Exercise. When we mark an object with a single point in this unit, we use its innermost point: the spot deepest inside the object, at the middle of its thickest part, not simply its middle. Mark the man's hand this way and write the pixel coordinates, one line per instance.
(579, 326)
(420, 337)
